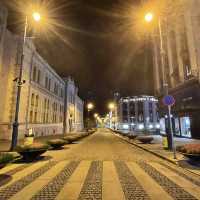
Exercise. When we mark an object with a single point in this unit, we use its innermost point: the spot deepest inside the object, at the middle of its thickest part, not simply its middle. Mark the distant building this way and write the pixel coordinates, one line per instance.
(44, 97)
(74, 107)
(138, 113)
(182, 68)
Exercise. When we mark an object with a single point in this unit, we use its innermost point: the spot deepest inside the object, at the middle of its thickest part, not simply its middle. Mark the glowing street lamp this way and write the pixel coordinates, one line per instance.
(148, 17)
(111, 106)
(36, 17)
(95, 115)
(90, 106)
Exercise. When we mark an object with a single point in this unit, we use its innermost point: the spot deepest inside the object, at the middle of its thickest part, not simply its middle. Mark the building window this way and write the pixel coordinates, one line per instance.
(32, 99)
(185, 52)
(34, 73)
(173, 46)
(49, 85)
(36, 100)
(61, 93)
(35, 117)
(140, 112)
(150, 111)
(46, 82)
(31, 117)
(38, 77)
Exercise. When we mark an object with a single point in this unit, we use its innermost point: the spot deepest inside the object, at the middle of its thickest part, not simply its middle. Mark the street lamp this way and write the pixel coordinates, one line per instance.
(90, 106)
(95, 115)
(148, 18)
(36, 17)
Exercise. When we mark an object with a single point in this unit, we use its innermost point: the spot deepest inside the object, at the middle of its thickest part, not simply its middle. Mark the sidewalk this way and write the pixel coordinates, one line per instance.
(157, 149)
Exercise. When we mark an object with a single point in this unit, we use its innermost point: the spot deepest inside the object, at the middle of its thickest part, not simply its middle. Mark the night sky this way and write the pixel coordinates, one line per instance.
(97, 44)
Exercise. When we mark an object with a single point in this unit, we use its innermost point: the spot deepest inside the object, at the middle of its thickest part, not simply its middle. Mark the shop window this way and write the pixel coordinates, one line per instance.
(185, 126)
(162, 126)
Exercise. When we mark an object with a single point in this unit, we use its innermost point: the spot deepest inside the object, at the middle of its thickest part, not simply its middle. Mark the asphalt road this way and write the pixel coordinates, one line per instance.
(104, 145)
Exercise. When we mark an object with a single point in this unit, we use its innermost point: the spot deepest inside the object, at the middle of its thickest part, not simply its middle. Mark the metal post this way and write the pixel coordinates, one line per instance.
(165, 84)
(19, 85)
(171, 131)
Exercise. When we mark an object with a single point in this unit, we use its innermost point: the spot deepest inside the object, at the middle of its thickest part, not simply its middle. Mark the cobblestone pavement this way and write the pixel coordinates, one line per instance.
(102, 166)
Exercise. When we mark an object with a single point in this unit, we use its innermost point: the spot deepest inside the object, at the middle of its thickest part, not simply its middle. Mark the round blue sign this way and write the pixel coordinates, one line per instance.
(168, 100)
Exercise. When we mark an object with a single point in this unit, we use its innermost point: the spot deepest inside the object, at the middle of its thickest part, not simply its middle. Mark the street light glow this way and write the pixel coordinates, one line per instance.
(90, 106)
(149, 17)
(111, 106)
(95, 115)
(36, 16)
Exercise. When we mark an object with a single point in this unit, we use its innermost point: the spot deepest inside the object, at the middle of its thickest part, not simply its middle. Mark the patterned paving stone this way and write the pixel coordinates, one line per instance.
(92, 188)
(189, 178)
(12, 189)
(175, 191)
(11, 173)
(131, 187)
(51, 190)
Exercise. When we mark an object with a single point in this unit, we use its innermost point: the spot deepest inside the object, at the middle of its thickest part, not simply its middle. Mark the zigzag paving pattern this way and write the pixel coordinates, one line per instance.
(107, 180)
(100, 167)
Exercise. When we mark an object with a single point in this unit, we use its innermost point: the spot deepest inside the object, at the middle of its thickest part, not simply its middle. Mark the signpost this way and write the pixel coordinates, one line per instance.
(169, 101)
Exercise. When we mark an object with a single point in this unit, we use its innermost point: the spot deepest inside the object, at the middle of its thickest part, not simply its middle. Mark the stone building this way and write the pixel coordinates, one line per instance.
(74, 105)
(181, 41)
(138, 113)
(43, 102)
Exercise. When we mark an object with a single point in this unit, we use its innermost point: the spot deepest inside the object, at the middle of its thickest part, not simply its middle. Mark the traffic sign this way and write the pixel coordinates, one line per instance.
(168, 100)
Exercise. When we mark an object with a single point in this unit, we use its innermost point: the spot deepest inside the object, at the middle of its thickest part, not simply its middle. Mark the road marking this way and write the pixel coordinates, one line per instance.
(39, 183)
(25, 172)
(154, 190)
(9, 168)
(52, 189)
(92, 187)
(173, 189)
(131, 187)
(182, 182)
(72, 188)
(12, 189)
(111, 187)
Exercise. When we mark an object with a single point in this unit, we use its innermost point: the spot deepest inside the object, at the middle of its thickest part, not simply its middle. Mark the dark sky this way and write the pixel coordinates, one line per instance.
(96, 47)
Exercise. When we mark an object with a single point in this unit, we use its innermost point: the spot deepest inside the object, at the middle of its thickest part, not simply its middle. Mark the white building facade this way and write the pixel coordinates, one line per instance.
(138, 113)
(181, 41)
(43, 102)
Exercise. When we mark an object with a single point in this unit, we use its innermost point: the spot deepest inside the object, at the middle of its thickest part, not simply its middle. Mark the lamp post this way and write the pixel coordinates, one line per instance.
(111, 107)
(36, 17)
(148, 18)
(90, 106)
